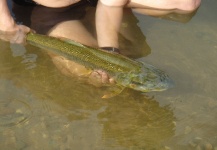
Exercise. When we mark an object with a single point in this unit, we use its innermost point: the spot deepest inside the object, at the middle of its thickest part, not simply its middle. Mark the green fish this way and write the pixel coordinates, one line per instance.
(125, 71)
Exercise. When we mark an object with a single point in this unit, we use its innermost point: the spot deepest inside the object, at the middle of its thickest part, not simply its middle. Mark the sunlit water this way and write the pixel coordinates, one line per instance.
(40, 108)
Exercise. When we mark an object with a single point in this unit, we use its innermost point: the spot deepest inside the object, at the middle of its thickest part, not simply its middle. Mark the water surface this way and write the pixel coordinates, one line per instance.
(40, 108)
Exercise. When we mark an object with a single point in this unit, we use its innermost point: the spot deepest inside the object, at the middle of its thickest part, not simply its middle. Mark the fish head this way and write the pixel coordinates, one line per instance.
(150, 79)
(145, 84)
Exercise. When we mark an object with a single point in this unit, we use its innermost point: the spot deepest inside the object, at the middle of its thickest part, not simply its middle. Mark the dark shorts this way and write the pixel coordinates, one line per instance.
(32, 3)
(26, 13)
(25, 2)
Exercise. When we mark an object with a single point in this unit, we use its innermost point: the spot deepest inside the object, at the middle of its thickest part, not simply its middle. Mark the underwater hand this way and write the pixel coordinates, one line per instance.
(17, 35)
(99, 78)
(69, 68)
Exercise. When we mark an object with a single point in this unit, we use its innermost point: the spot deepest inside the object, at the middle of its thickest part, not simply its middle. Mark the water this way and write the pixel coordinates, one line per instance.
(40, 108)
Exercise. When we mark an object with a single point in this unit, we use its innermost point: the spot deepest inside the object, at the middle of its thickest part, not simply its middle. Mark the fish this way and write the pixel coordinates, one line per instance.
(126, 72)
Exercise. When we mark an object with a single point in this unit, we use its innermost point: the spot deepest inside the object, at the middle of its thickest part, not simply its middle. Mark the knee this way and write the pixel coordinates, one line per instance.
(190, 5)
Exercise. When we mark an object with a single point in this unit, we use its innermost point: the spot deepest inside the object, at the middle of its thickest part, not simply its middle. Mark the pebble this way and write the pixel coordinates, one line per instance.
(197, 140)
(167, 148)
(198, 147)
(198, 144)
(192, 144)
(208, 146)
(187, 129)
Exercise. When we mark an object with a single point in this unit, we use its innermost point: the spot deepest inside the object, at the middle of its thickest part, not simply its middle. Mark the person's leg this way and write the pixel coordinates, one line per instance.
(109, 25)
(185, 5)
(162, 7)
(74, 30)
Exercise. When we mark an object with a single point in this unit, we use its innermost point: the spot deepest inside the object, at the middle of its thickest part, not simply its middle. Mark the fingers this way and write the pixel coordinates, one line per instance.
(104, 77)
(97, 78)
(100, 78)
(68, 67)
(18, 35)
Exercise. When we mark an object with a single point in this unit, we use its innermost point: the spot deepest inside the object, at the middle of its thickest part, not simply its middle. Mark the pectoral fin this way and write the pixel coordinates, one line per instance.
(113, 91)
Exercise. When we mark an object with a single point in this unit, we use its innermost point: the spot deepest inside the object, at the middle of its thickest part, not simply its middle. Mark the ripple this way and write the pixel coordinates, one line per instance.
(13, 113)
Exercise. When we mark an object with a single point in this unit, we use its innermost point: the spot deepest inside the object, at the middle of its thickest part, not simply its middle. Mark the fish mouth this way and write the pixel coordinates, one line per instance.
(150, 86)
(166, 84)
(170, 83)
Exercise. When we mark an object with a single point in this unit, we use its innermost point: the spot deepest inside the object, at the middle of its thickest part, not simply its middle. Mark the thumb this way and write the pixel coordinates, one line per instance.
(20, 34)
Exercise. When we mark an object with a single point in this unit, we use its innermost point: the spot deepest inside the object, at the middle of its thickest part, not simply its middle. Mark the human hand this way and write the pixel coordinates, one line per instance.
(99, 78)
(69, 68)
(15, 35)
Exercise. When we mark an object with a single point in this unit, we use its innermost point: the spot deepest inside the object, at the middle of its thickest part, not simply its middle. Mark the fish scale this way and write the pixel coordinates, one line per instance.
(125, 71)
(81, 54)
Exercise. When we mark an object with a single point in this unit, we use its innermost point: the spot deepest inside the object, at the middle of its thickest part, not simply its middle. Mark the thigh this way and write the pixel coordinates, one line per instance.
(176, 5)
(163, 7)
(74, 30)
(154, 4)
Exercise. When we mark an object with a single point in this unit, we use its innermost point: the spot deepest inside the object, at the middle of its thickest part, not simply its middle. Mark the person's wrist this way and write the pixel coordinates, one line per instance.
(111, 49)
(8, 25)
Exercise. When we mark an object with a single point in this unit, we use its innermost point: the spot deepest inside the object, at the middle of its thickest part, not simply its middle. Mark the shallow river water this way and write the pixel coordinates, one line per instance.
(40, 108)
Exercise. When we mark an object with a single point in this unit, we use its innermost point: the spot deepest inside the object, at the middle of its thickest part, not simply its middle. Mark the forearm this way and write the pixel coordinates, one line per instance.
(6, 20)
(108, 21)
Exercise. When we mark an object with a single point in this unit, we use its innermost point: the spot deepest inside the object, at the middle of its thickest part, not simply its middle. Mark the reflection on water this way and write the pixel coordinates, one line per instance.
(40, 108)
